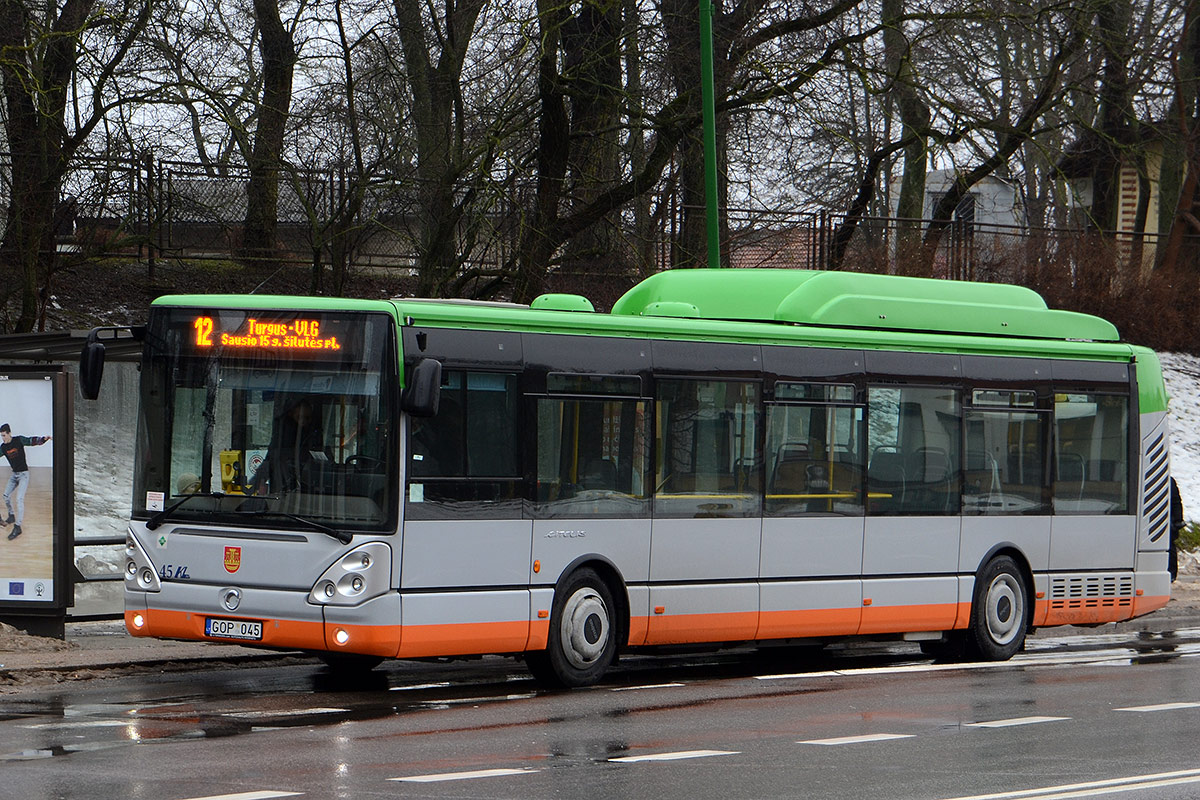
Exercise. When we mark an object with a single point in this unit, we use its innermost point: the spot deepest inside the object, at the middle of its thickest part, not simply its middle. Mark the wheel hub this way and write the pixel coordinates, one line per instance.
(1004, 612)
(585, 628)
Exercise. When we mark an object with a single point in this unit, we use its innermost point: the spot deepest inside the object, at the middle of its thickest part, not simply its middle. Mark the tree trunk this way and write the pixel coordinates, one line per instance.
(266, 159)
(35, 99)
(538, 240)
(1178, 182)
(914, 120)
(1115, 126)
(682, 24)
(436, 94)
(592, 54)
(643, 219)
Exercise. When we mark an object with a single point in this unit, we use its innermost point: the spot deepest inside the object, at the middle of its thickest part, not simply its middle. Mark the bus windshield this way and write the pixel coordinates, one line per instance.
(268, 418)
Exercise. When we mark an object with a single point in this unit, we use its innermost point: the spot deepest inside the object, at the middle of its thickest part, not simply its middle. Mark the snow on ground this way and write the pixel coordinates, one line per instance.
(1182, 375)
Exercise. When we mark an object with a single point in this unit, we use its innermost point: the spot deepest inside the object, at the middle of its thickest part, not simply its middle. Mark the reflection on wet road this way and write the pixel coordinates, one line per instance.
(1089, 710)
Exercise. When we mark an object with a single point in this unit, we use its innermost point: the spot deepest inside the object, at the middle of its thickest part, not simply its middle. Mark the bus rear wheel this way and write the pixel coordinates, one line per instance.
(1000, 611)
(582, 644)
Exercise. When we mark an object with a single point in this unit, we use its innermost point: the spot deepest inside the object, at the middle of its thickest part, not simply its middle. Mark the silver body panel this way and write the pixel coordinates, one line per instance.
(1080, 543)
(462, 553)
(624, 543)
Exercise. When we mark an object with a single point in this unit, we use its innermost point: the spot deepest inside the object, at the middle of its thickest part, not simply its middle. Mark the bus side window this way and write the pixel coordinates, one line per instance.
(1091, 454)
(1004, 472)
(592, 457)
(707, 449)
(814, 464)
(466, 456)
(914, 434)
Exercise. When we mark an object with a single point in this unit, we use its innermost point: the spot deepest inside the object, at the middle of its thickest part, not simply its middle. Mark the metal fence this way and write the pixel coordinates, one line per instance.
(155, 208)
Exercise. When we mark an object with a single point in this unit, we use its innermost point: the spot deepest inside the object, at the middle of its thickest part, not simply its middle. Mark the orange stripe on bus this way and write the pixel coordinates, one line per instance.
(539, 634)
(638, 628)
(903, 619)
(814, 622)
(302, 635)
(466, 638)
(369, 640)
(1041, 609)
(1091, 610)
(688, 628)
(1144, 605)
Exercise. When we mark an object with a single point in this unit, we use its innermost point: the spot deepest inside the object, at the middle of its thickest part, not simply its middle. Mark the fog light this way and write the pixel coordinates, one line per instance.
(138, 620)
(340, 636)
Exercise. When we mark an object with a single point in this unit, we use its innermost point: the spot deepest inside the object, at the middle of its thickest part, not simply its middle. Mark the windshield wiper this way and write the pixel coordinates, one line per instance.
(341, 536)
(161, 516)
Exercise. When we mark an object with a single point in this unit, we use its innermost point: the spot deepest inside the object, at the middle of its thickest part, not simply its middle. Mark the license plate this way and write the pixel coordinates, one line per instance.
(232, 629)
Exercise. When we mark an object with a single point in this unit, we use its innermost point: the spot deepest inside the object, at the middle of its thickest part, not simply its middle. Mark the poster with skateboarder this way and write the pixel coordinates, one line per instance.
(27, 480)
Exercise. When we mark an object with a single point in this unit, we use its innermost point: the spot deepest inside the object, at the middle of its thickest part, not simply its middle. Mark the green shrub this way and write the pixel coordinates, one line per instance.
(1189, 537)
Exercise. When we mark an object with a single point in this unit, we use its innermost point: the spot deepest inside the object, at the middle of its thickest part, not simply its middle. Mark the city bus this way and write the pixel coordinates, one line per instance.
(727, 457)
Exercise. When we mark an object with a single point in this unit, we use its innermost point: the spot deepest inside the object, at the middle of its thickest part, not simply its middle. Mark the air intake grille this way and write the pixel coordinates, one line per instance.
(1091, 591)
(1156, 505)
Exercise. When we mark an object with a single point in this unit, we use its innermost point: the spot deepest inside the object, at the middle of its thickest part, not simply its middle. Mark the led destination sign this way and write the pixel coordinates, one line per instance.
(258, 334)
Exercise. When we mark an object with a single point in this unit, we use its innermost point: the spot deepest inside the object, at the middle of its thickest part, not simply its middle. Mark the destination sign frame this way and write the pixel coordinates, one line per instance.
(274, 333)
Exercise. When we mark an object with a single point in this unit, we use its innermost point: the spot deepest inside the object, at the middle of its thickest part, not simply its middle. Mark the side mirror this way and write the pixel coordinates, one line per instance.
(91, 357)
(91, 368)
(424, 390)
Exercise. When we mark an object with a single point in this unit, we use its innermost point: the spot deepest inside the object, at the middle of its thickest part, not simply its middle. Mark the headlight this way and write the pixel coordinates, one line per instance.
(140, 573)
(363, 573)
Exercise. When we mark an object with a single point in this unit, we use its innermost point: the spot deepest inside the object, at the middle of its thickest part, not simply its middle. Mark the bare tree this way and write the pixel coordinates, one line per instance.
(278, 53)
(40, 62)
(915, 119)
(434, 74)
(1180, 211)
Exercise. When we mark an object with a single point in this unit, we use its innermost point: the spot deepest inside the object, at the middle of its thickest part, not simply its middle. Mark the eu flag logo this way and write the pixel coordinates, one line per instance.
(16, 588)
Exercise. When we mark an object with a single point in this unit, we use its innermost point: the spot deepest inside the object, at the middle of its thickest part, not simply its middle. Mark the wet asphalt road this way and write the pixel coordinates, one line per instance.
(1082, 716)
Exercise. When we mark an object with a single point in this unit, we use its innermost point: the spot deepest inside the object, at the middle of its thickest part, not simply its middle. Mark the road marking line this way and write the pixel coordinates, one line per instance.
(648, 686)
(27, 755)
(290, 712)
(1160, 707)
(1101, 659)
(870, 737)
(1009, 723)
(465, 701)
(248, 796)
(1091, 788)
(90, 723)
(673, 756)
(416, 686)
(464, 776)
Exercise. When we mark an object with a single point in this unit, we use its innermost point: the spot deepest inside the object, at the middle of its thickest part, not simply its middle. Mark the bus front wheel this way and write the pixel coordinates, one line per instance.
(582, 643)
(1000, 612)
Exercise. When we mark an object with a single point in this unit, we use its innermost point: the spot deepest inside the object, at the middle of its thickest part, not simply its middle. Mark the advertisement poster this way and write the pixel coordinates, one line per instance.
(27, 480)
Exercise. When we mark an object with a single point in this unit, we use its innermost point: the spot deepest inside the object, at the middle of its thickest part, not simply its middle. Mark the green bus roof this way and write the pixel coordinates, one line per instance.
(772, 306)
(273, 302)
(856, 300)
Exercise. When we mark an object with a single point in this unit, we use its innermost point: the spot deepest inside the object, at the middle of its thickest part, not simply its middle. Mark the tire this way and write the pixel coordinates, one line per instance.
(1000, 611)
(582, 644)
